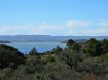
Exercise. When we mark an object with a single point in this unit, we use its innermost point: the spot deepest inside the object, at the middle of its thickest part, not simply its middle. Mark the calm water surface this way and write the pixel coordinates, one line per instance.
(25, 47)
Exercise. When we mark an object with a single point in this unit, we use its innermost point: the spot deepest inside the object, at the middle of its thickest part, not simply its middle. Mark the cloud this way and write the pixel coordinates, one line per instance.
(47, 29)
(10, 30)
(76, 27)
(71, 27)
(87, 28)
(103, 23)
(96, 32)
(74, 23)
(42, 29)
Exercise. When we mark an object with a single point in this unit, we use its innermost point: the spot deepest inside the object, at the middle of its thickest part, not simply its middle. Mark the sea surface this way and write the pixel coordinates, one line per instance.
(25, 47)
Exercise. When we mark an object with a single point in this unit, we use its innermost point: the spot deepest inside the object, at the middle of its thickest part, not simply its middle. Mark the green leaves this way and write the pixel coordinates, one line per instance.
(33, 52)
(70, 43)
(93, 47)
(10, 57)
(71, 58)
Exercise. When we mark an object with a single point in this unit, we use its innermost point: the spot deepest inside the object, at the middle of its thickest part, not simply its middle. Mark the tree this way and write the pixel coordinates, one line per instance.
(33, 64)
(93, 47)
(75, 47)
(10, 57)
(57, 50)
(70, 42)
(92, 40)
(33, 52)
(72, 59)
(105, 45)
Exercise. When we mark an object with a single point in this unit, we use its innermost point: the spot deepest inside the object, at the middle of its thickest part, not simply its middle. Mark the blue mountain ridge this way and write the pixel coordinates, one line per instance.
(46, 37)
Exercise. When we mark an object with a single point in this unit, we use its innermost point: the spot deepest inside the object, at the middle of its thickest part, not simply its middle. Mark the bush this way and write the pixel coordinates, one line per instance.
(5, 74)
(72, 59)
(33, 64)
(89, 76)
(91, 65)
(48, 59)
(93, 47)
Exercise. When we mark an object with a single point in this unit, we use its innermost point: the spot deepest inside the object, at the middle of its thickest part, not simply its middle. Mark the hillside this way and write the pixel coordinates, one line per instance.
(79, 61)
(46, 37)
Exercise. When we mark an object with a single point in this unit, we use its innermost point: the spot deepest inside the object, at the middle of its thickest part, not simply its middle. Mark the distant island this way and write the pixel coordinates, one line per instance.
(3, 41)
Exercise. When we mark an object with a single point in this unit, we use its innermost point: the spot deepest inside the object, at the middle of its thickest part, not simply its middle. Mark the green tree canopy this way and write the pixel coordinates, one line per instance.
(71, 58)
(93, 47)
(105, 45)
(56, 50)
(10, 56)
(70, 43)
(33, 52)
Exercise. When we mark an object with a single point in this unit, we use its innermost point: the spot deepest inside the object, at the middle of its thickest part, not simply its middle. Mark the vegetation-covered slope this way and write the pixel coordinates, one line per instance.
(78, 61)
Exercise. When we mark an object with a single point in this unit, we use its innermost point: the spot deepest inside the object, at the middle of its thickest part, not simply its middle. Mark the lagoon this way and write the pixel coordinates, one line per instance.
(25, 47)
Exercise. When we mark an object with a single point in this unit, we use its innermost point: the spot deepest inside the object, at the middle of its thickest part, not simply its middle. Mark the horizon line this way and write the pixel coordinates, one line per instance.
(50, 35)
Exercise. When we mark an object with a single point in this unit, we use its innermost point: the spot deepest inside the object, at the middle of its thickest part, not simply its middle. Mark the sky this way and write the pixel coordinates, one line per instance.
(54, 17)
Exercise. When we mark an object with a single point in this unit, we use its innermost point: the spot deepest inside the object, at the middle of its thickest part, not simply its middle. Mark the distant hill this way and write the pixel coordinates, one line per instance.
(46, 37)
(2, 41)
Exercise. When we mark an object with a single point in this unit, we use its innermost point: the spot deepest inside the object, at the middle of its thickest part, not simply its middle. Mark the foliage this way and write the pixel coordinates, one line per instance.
(71, 59)
(10, 57)
(89, 76)
(48, 59)
(33, 64)
(5, 73)
(56, 50)
(105, 45)
(70, 43)
(33, 52)
(78, 61)
(76, 47)
(93, 47)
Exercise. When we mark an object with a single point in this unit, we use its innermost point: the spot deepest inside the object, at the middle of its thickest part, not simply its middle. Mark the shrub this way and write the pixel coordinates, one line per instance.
(5, 73)
(33, 64)
(72, 59)
(90, 65)
(89, 76)
(48, 59)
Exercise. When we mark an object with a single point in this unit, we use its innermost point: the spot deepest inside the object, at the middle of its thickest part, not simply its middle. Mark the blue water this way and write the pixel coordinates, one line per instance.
(25, 47)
